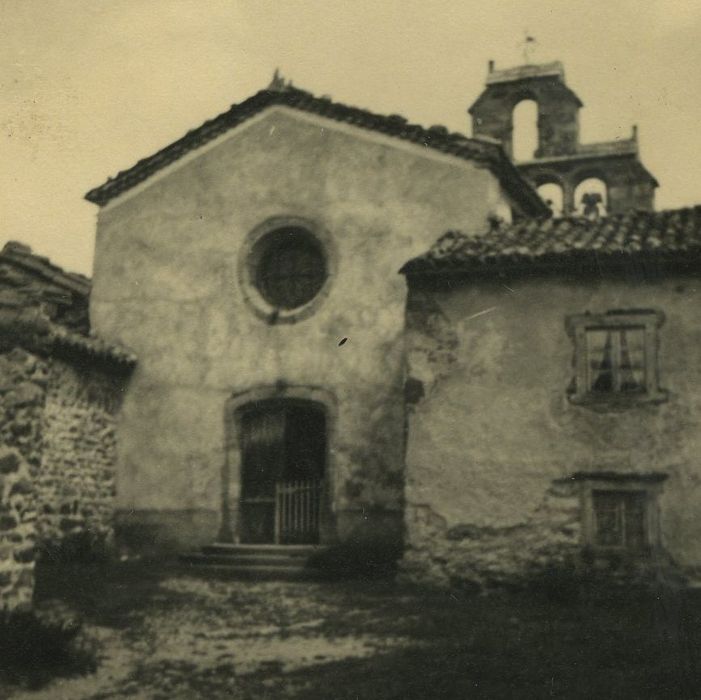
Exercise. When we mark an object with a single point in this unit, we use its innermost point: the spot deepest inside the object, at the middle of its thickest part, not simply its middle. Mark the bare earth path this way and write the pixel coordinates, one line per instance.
(165, 634)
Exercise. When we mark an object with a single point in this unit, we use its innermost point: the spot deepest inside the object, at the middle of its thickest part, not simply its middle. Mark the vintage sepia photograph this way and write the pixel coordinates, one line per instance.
(350, 350)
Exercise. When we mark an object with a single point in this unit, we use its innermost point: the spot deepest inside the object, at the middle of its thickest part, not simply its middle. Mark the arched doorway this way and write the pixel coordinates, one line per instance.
(283, 463)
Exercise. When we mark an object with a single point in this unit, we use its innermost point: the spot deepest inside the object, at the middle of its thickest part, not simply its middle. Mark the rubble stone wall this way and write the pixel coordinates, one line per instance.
(23, 379)
(57, 452)
(492, 555)
(76, 484)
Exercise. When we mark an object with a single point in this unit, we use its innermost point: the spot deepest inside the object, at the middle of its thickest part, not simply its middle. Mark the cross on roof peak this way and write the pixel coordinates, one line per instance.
(278, 83)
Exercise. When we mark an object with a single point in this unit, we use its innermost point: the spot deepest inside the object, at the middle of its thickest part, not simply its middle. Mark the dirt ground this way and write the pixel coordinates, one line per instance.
(169, 634)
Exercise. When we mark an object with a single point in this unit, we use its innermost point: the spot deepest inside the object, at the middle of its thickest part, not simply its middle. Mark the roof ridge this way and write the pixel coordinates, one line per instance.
(437, 137)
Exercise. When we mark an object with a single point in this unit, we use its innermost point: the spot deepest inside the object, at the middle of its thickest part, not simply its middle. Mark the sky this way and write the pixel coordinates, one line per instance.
(91, 86)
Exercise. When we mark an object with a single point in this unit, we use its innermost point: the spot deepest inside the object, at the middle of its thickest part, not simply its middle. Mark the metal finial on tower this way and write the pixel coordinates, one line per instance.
(528, 46)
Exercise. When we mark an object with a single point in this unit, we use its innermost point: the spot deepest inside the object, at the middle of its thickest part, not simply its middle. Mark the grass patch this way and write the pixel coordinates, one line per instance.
(103, 592)
(33, 650)
(357, 560)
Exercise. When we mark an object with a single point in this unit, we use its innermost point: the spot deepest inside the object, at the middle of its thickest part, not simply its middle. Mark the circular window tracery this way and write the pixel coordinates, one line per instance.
(291, 268)
(286, 267)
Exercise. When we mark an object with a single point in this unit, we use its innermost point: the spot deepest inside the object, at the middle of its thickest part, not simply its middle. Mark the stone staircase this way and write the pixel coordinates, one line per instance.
(255, 562)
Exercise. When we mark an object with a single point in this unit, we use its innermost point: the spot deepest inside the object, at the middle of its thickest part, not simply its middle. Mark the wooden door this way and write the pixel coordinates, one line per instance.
(283, 462)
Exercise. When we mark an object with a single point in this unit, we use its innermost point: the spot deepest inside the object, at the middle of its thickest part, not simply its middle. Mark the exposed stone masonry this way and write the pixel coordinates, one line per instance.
(441, 554)
(57, 450)
(76, 483)
(17, 530)
(23, 379)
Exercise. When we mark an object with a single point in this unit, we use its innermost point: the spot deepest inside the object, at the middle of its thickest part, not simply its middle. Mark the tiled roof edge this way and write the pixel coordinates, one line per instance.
(23, 255)
(30, 328)
(671, 236)
(92, 347)
(437, 138)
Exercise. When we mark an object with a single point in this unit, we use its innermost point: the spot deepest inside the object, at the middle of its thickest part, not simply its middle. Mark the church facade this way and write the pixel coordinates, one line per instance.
(253, 270)
(293, 388)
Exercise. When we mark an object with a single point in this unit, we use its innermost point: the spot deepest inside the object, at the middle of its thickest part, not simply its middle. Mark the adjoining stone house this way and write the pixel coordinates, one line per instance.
(59, 391)
(554, 389)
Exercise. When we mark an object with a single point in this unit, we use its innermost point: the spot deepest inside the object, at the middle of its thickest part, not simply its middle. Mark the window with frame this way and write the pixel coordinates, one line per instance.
(616, 356)
(291, 268)
(620, 511)
(620, 519)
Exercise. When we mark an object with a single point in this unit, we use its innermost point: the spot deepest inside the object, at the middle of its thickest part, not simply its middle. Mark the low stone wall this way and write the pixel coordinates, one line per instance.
(23, 378)
(76, 483)
(17, 530)
(57, 456)
(438, 553)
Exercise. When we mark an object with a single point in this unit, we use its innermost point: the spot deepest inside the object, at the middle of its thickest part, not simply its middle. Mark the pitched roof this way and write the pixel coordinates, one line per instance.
(28, 279)
(22, 255)
(27, 282)
(30, 327)
(671, 236)
(436, 137)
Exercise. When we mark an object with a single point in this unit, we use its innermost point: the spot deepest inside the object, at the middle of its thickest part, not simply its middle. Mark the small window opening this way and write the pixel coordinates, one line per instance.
(291, 269)
(620, 519)
(616, 360)
(551, 193)
(616, 357)
(591, 198)
(525, 130)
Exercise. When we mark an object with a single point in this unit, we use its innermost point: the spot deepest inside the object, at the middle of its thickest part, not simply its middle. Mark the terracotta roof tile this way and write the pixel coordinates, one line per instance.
(668, 234)
(22, 254)
(20, 308)
(30, 327)
(91, 346)
(437, 138)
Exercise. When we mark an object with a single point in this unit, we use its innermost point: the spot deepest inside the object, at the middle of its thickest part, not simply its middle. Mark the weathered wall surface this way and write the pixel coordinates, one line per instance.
(22, 384)
(167, 284)
(76, 482)
(493, 436)
(57, 455)
(17, 530)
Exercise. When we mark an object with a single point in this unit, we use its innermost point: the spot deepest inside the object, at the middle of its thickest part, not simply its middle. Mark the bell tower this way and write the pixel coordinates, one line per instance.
(559, 159)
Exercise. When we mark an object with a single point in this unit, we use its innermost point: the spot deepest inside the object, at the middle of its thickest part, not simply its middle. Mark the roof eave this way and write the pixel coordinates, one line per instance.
(570, 262)
(394, 126)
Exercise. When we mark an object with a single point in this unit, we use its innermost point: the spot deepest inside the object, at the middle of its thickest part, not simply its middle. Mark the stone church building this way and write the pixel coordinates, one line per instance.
(345, 329)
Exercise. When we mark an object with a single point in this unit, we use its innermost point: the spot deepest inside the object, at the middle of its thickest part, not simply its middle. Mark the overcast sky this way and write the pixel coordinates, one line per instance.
(91, 86)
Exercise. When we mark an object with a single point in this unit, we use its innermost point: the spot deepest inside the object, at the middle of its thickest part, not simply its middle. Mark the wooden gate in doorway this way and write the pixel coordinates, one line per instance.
(283, 463)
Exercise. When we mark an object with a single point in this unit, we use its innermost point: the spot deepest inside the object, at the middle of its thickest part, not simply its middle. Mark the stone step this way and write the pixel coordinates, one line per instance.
(255, 562)
(287, 550)
(248, 559)
(251, 572)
